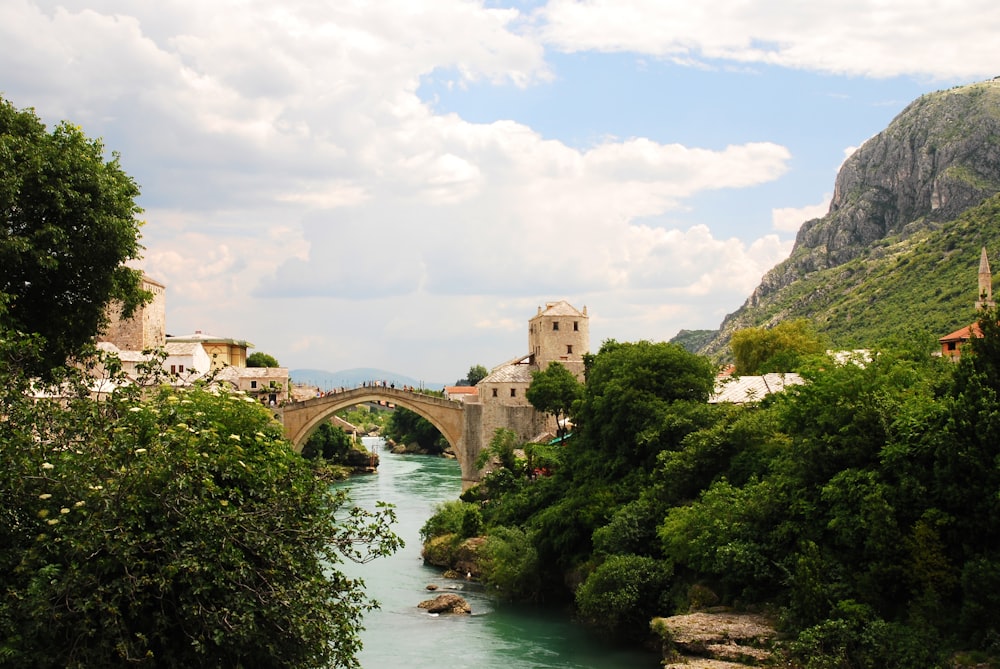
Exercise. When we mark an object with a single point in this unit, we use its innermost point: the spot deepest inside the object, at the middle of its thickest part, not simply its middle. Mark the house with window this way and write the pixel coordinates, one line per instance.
(188, 357)
(267, 384)
(222, 351)
(187, 360)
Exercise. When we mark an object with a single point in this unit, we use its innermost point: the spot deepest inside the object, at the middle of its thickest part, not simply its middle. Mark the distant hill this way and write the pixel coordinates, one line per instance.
(694, 340)
(898, 253)
(351, 378)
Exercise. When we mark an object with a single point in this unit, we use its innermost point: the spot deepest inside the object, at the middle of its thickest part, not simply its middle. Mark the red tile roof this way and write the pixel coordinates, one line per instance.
(965, 334)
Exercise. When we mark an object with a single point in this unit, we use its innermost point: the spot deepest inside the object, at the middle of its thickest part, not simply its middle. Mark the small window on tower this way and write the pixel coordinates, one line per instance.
(569, 349)
(555, 325)
(494, 392)
(576, 326)
(513, 392)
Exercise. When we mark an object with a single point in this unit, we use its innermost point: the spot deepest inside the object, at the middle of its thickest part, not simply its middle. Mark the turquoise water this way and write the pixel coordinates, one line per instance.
(496, 635)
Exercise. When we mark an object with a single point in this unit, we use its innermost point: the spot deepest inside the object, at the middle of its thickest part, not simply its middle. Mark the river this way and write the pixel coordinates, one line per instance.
(496, 635)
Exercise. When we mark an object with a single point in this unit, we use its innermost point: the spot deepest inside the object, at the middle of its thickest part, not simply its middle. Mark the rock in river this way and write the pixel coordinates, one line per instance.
(446, 603)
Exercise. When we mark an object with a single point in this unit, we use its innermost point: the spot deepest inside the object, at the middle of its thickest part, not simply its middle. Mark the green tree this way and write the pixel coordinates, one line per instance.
(624, 593)
(476, 374)
(408, 427)
(260, 359)
(509, 563)
(782, 348)
(69, 220)
(640, 398)
(501, 448)
(554, 390)
(170, 529)
(328, 442)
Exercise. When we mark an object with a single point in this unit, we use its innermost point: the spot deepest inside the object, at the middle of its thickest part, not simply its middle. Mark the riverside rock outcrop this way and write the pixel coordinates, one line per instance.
(939, 157)
(446, 603)
(715, 640)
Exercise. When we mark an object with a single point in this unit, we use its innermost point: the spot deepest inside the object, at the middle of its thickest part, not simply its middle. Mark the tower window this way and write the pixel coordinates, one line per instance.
(576, 326)
(569, 349)
(555, 325)
(513, 392)
(494, 392)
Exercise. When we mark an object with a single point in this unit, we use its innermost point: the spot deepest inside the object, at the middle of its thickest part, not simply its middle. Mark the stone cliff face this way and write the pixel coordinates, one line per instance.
(938, 157)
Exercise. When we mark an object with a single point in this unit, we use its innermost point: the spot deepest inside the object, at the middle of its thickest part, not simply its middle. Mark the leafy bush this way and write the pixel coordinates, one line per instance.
(452, 517)
(856, 638)
(632, 530)
(408, 427)
(328, 442)
(624, 593)
(170, 529)
(509, 564)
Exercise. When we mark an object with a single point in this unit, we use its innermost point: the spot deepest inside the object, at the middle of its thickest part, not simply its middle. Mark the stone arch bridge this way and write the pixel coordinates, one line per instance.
(302, 418)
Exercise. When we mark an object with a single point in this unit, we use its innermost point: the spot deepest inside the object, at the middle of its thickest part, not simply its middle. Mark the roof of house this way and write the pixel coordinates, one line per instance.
(182, 347)
(964, 334)
(229, 373)
(199, 336)
(460, 390)
(124, 355)
(517, 370)
(560, 308)
(739, 389)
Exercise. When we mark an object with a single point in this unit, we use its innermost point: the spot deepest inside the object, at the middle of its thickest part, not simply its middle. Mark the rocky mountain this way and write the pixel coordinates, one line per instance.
(910, 211)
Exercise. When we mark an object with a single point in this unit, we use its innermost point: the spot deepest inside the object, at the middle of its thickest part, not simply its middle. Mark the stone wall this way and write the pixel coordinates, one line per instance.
(147, 328)
(561, 334)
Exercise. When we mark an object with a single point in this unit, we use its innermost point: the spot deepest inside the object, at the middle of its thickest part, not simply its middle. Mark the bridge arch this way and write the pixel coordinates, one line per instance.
(301, 419)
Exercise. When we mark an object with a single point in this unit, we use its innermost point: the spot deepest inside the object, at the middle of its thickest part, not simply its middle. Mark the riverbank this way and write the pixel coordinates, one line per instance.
(496, 635)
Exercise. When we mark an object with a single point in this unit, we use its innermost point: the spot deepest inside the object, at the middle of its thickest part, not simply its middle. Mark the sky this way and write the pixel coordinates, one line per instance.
(401, 184)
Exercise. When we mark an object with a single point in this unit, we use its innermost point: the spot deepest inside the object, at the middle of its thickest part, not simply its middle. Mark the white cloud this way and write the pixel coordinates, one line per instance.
(789, 219)
(301, 194)
(880, 38)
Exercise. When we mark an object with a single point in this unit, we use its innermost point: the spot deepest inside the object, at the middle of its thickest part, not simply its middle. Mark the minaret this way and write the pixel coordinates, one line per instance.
(985, 282)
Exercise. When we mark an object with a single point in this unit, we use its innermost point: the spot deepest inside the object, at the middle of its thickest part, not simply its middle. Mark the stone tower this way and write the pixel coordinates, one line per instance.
(559, 333)
(985, 282)
(147, 328)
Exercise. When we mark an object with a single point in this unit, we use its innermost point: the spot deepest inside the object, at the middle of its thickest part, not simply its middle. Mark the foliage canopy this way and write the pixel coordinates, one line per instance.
(69, 225)
(261, 359)
(554, 390)
(782, 348)
(860, 506)
(171, 529)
